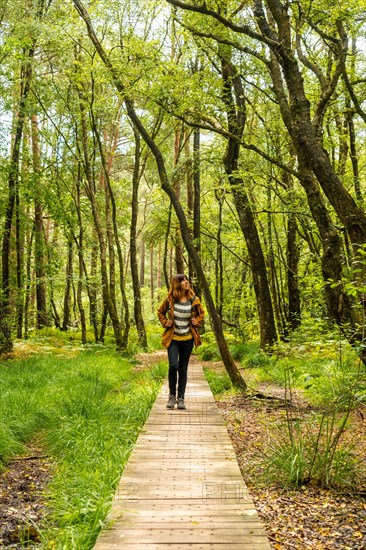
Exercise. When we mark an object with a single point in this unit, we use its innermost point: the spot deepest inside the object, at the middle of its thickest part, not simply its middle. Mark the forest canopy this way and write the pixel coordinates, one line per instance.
(221, 139)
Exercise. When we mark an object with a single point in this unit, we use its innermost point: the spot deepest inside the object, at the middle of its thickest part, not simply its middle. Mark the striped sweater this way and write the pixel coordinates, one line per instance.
(182, 318)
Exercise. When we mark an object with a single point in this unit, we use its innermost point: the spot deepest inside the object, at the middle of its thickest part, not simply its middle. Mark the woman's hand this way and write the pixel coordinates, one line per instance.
(169, 323)
(194, 322)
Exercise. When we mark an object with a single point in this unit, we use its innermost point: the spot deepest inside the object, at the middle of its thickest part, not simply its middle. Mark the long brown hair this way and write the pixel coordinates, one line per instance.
(175, 291)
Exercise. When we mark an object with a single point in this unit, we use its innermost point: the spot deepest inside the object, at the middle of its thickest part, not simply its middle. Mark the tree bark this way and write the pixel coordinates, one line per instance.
(197, 200)
(79, 240)
(179, 260)
(79, 294)
(152, 278)
(303, 134)
(39, 244)
(167, 249)
(293, 257)
(6, 344)
(274, 24)
(339, 305)
(139, 320)
(353, 154)
(28, 277)
(190, 193)
(19, 243)
(219, 275)
(112, 233)
(236, 122)
(272, 274)
(66, 320)
(92, 286)
(142, 262)
(90, 190)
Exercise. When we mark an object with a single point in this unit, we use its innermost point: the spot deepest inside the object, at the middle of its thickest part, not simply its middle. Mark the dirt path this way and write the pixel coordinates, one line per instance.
(22, 498)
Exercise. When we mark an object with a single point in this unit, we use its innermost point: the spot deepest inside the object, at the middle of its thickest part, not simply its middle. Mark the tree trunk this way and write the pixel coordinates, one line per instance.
(196, 199)
(112, 233)
(158, 273)
(139, 320)
(236, 122)
(82, 268)
(79, 293)
(179, 260)
(92, 286)
(103, 323)
(152, 277)
(238, 297)
(6, 344)
(190, 193)
(303, 133)
(28, 276)
(353, 153)
(339, 305)
(293, 257)
(66, 321)
(167, 250)
(219, 275)
(272, 273)
(19, 238)
(39, 244)
(90, 190)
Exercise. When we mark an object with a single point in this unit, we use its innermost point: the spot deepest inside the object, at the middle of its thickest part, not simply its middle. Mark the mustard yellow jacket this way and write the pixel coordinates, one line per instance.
(166, 311)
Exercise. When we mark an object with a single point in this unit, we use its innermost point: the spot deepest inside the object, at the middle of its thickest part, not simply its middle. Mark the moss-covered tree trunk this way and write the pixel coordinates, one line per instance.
(233, 96)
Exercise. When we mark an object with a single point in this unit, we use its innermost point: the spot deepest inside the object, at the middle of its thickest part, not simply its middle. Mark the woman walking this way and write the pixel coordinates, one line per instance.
(181, 313)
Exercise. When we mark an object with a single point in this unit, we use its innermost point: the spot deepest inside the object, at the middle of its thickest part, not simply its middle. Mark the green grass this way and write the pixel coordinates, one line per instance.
(88, 411)
(323, 370)
(309, 452)
(305, 447)
(219, 381)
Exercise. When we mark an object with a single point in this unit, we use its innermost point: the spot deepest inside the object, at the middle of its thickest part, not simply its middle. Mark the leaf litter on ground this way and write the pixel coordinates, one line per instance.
(310, 517)
(23, 505)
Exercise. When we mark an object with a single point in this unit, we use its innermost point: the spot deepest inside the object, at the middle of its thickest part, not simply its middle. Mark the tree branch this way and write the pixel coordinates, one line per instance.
(213, 126)
(353, 96)
(242, 29)
(236, 45)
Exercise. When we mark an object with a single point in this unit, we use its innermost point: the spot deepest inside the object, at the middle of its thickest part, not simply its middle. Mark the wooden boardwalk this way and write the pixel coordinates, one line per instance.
(182, 487)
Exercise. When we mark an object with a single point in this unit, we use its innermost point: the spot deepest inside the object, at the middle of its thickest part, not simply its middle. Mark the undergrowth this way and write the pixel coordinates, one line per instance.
(308, 445)
(87, 410)
(219, 381)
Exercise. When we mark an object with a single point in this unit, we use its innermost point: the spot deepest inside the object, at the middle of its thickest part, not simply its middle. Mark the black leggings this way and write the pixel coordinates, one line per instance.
(179, 353)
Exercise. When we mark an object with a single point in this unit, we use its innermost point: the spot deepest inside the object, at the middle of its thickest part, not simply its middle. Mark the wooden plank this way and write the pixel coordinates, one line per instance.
(174, 507)
(175, 522)
(182, 487)
(255, 545)
(138, 537)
